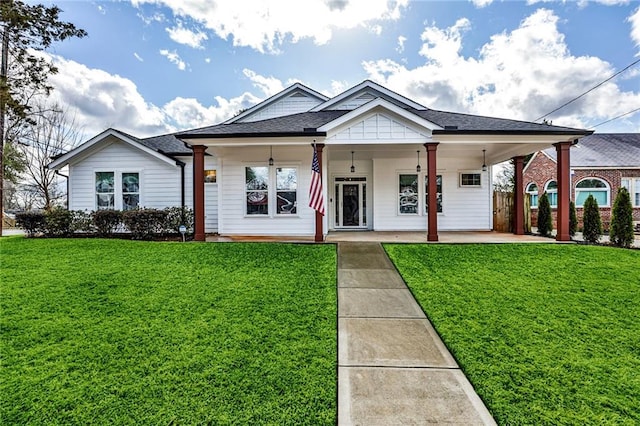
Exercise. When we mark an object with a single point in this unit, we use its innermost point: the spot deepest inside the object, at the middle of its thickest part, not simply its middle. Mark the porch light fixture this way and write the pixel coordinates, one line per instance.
(484, 161)
(418, 168)
(271, 155)
(353, 168)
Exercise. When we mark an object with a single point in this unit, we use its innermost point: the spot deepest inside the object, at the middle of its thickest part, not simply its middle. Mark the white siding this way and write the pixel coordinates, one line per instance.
(159, 181)
(232, 209)
(463, 208)
(378, 127)
(295, 103)
(210, 191)
(356, 101)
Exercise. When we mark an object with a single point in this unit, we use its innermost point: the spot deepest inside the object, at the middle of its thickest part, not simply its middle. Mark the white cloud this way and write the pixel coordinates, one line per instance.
(182, 35)
(189, 113)
(138, 57)
(401, 41)
(521, 74)
(268, 85)
(174, 58)
(634, 19)
(266, 25)
(481, 3)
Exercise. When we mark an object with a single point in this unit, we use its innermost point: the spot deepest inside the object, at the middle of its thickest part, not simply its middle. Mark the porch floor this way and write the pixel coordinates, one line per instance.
(396, 237)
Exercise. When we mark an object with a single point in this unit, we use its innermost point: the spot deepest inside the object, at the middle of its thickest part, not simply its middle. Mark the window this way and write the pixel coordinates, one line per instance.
(552, 192)
(532, 190)
(633, 186)
(286, 190)
(105, 190)
(470, 179)
(592, 186)
(210, 176)
(257, 190)
(130, 191)
(408, 194)
(438, 194)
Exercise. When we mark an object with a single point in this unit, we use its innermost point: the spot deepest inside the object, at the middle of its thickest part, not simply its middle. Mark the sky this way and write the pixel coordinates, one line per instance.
(151, 67)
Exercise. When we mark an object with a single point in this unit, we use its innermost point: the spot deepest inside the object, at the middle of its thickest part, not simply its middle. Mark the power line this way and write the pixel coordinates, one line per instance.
(615, 118)
(588, 91)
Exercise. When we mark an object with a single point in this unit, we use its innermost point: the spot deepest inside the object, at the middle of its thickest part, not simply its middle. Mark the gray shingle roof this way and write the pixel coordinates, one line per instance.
(605, 150)
(164, 144)
(451, 122)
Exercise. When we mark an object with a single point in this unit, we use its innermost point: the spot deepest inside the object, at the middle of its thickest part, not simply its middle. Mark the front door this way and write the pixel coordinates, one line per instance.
(351, 204)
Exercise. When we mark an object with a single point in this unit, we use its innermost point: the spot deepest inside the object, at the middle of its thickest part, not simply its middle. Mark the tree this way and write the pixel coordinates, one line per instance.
(573, 219)
(54, 132)
(592, 224)
(621, 232)
(26, 29)
(545, 224)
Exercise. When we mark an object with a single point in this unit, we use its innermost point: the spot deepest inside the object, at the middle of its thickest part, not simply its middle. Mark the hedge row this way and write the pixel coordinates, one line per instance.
(140, 224)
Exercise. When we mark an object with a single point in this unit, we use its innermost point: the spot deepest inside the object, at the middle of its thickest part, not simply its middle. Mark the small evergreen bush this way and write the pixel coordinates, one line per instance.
(545, 224)
(58, 222)
(32, 222)
(621, 230)
(106, 221)
(592, 224)
(144, 224)
(573, 219)
(177, 216)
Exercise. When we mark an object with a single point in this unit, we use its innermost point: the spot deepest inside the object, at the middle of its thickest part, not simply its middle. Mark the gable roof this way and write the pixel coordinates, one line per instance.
(161, 147)
(297, 87)
(376, 90)
(604, 150)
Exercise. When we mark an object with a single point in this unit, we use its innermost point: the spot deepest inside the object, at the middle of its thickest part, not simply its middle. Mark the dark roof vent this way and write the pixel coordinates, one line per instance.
(309, 129)
(451, 127)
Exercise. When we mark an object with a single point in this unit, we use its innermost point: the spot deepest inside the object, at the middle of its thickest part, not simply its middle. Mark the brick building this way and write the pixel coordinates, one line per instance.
(600, 165)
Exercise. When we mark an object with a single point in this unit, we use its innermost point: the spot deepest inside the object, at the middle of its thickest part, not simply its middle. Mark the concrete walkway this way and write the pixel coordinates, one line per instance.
(393, 369)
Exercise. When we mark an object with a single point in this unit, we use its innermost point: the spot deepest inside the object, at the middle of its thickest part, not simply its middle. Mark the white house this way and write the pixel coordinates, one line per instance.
(384, 158)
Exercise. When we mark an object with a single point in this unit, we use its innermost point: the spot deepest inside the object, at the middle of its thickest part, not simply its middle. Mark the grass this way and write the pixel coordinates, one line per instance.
(547, 334)
(122, 332)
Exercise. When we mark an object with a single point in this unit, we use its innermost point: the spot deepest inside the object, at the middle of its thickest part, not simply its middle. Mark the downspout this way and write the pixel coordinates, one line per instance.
(57, 172)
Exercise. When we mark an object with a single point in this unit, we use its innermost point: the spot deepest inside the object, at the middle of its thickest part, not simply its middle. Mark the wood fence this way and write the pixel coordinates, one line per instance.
(503, 212)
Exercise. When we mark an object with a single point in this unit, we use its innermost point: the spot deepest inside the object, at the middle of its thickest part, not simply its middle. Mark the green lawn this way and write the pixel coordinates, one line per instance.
(547, 334)
(122, 332)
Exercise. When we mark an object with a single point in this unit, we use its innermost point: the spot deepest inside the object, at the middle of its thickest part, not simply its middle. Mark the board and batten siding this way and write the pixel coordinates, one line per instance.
(159, 181)
(210, 191)
(463, 208)
(232, 209)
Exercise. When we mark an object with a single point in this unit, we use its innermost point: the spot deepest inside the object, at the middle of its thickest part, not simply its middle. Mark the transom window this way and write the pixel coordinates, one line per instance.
(592, 186)
(532, 190)
(271, 191)
(552, 192)
(470, 179)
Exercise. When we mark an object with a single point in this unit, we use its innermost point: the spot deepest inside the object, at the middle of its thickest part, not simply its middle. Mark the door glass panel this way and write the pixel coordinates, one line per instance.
(350, 205)
(336, 196)
(364, 204)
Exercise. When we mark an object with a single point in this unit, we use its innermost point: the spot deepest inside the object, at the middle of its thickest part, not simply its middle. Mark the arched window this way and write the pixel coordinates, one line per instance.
(592, 186)
(552, 192)
(532, 189)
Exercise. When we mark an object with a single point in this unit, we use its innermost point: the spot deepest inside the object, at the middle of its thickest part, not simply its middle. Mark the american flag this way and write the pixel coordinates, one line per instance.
(316, 200)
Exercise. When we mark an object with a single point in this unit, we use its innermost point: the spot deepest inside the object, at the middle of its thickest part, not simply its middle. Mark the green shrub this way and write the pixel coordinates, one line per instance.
(177, 216)
(592, 224)
(32, 222)
(81, 221)
(106, 221)
(58, 222)
(545, 224)
(621, 230)
(573, 219)
(144, 224)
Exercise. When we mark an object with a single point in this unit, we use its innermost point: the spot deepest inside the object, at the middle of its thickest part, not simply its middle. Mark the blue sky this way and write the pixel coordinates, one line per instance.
(155, 66)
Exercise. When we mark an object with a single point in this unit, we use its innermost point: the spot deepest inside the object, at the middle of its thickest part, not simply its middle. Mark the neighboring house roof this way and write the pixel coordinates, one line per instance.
(608, 150)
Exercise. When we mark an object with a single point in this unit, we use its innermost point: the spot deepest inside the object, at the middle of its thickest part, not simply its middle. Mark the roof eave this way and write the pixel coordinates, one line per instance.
(514, 132)
(249, 135)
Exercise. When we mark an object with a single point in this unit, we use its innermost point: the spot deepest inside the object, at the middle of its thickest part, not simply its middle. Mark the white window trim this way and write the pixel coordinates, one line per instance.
(607, 188)
(552, 191)
(633, 188)
(422, 193)
(469, 172)
(536, 193)
(272, 192)
(117, 183)
(419, 194)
